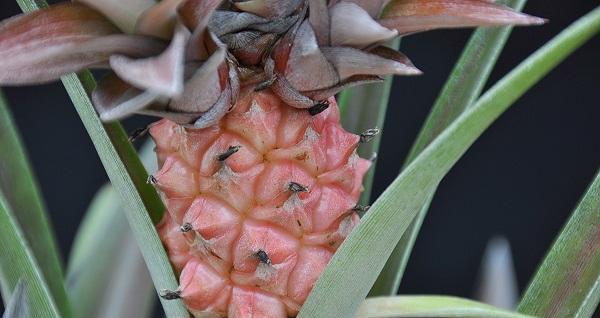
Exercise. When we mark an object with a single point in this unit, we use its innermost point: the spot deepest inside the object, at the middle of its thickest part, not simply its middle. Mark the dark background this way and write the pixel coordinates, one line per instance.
(521, 179)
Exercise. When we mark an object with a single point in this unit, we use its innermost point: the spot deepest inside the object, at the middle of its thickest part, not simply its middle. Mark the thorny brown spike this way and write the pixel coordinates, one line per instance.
(263, 257)
(140, 132)
(186, 227)
(170, 294)
(264, 85)
(230, 151)
(318, 108)
(297, 187)
(361, 208)
(369, 134)
(151, 180)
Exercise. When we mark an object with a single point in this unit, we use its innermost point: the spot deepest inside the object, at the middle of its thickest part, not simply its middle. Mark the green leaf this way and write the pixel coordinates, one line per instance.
(142, 204)
(364, 107)
(18, 263)
(567, 283)
(354, 268)
(22, 195)
(106, 276)
(460, 92)
(430, 306)
(18, 305)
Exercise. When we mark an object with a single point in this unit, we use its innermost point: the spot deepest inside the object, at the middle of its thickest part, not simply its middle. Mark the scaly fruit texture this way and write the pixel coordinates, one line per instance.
(257, 204)
(259, 179)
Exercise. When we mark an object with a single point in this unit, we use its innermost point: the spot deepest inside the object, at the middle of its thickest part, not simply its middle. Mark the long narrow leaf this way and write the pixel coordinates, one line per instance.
(567, 284)
(364, 107)
(430, 306)
(497, 282)
(106, 276)
(142, 205)
(18, 263)
(354, 268)
(22, 194)
(462, 89)
(18, 305)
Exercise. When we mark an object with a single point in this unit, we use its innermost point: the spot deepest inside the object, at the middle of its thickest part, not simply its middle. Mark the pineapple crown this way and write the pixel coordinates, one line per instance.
(189, 60)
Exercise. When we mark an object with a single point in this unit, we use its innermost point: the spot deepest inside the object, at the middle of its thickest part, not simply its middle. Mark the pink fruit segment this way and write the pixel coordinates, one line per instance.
(257, 205)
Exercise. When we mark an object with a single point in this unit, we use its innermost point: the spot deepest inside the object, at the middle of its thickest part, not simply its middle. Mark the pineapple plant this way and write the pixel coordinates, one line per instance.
(260, 182)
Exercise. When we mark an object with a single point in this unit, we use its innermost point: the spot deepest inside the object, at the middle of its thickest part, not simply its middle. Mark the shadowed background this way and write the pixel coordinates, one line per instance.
(521, 179)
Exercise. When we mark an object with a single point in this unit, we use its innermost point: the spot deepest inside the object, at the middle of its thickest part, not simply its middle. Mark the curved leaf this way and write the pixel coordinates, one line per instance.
(142, 204)
(22, 195)
(41, 46)
(462, 89)
(18, 305)
(358, 118)
(106, 276)
(567, 284)
(124, 14)
(430, 306)
(411, 16)
(355, 266)
(18, 263)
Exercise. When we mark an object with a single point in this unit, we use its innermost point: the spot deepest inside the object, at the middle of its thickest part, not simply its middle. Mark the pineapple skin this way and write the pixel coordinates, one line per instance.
(257, 204)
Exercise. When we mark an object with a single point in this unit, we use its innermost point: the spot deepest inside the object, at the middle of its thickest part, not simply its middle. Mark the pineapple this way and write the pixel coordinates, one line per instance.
(257, 204)
(260, 181)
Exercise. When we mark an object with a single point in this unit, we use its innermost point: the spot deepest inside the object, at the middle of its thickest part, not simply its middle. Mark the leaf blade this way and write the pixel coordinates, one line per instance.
(354, 268)
(567, 283)
(104, 271)
(358, 118)
(430, 306)
(18, 305)
(459, 93)
(142, 205)
(141, 202)
(18, 263)
(22, 195)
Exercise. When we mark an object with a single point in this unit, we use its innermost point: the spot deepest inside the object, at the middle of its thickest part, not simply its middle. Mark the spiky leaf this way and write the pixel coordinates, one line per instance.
(22, 195)
(567, 284)
(142, 204)
(106, 276)
(354, 268)
(18, 305)
(430, 306)
(462, 89)
(18, 263)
